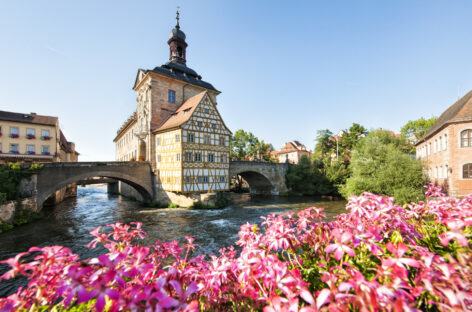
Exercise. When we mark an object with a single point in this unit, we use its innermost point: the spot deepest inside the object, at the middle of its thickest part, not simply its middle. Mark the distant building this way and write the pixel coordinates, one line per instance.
(292, 152)
(33, 138)
(177, 126)
(446, 149)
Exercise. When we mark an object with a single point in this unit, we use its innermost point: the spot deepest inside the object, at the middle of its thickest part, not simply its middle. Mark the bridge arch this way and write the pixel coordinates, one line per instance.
(264, 178)
(55, 176)
(258, 183)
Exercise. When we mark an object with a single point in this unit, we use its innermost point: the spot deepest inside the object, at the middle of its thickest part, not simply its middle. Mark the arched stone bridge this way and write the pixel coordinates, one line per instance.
(262, 177)
(54, 176)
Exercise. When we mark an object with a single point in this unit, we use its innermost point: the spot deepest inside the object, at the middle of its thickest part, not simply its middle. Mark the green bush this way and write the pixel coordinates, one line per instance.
(306, 179)
(380, 166)
(172, 205)
(5, 227)
(25, 216)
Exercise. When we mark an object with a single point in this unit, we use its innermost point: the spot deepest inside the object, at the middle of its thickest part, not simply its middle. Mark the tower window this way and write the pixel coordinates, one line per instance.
(179, 51)
(171, 96)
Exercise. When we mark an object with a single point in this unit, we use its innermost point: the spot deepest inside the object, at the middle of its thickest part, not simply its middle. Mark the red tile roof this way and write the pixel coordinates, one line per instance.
(460, 111)
(183, 113)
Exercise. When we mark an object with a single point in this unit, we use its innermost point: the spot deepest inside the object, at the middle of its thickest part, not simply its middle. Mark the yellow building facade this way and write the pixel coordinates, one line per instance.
(177, 126)
(33, 138)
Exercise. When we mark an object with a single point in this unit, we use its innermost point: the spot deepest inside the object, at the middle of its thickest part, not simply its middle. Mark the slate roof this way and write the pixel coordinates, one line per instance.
(460, 111)
(180, 71)
(28, 118)
(183, 113)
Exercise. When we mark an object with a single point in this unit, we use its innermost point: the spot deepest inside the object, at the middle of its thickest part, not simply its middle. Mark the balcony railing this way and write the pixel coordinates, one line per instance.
(30, 136)
(14, 135)
(45, 137)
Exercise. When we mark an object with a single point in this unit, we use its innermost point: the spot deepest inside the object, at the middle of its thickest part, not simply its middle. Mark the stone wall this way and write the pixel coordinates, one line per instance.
(8, 210)
(166, 197)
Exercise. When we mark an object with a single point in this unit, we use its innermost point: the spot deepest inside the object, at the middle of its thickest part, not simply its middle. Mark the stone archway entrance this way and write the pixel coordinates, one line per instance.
(142, 151)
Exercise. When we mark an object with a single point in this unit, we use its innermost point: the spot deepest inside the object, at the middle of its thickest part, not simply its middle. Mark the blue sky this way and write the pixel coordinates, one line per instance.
(285, 68)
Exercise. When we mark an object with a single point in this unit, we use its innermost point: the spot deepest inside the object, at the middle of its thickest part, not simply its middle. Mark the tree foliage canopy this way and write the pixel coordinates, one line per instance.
(418, 127)
(246, 146)
(380, 166)
(305, 178)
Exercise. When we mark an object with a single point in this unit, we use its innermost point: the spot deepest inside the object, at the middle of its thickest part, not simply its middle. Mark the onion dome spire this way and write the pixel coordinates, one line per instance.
(177, 42)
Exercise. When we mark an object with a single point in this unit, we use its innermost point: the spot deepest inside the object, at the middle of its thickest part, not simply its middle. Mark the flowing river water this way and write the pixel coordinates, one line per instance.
(69, 223)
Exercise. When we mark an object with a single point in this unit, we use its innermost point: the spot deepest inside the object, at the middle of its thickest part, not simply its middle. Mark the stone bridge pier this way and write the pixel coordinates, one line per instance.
(264, 178)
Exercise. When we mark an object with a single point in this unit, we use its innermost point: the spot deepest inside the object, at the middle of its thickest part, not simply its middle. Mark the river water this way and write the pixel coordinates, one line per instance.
(69, 223)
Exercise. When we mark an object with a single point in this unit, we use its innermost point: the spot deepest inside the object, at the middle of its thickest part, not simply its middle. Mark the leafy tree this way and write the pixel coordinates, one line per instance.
(306, 179)
(246, 146)
(418, 128)
(324, 144)
(350, 138)
(380, 166)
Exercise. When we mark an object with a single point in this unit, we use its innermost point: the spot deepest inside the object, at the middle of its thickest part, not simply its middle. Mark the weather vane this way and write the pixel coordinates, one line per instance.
(177, 17)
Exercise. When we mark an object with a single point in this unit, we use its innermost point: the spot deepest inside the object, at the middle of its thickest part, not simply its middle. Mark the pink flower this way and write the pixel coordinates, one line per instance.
(17, 267)
(340, 247)
(398, 260)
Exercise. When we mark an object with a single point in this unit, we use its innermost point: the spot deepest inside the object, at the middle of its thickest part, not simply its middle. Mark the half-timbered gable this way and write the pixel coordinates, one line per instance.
(192, 148)
(205, 140)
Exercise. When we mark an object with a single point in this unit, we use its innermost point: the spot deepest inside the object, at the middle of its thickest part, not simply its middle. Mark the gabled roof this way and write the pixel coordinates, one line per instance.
(292, 146)
(28, 118)
(460, 111)
(183, 112)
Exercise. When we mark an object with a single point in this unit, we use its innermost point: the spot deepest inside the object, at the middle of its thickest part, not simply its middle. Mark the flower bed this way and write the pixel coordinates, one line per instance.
(377, 257)
(45, 138)
(14, 136)
(30, 136)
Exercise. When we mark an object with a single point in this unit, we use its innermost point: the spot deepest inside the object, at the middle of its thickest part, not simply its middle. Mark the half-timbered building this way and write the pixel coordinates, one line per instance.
(177, 126)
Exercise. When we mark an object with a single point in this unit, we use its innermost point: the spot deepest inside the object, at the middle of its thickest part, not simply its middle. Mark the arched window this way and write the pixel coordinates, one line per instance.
(466, 138)
(467, 171)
